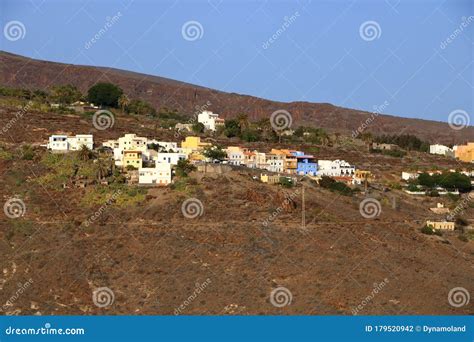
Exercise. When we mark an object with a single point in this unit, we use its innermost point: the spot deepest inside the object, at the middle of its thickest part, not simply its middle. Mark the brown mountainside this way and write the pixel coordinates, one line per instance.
(19, 71)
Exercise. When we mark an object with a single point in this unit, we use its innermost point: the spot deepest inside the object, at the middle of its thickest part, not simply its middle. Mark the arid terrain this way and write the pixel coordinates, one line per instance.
(154, 259)
(21, 72)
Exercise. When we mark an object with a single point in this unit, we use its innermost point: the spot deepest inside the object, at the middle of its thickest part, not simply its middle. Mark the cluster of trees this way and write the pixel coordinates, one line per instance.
(405, 141)
(170, 117)
(215, 153)
(23, 93)
(448, 180)
(103, 94)
(184, 168)
(65, 94)
(312, 135)
(335, 186)
(246, 130)
(392, 153)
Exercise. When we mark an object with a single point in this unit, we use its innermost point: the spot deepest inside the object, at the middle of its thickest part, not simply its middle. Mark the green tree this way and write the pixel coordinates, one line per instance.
(104, 94)
(266, 130)
(243, 120)
(232, 128)
(84, 153)
(250, 135)
(103, 169)
(184, 167)
(65, 94)
(286, 182)
(198, 127)
(123, 102)
(141, 108)
(214, 153)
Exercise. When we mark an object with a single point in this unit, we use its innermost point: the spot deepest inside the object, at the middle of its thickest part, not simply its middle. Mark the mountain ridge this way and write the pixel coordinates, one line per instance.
(25, 72)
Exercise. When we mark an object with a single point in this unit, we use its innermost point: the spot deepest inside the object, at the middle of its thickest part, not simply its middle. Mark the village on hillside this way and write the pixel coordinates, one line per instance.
(151, 162)
(102, 169)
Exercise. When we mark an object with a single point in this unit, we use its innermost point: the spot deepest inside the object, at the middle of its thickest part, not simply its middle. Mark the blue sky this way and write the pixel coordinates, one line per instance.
(321, 54)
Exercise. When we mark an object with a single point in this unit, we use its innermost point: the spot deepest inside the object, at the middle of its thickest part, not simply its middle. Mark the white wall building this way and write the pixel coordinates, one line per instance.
(166, 145)
(159, 175)
(335, 168)
(442, 150)
(236, 157)
(409, 175)
(274, 162)
(170, 158)
(210, 120)
(125, 143)
(64, 143)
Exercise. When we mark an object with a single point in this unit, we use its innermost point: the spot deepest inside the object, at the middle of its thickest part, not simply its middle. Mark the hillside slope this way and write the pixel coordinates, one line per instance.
(18, 71)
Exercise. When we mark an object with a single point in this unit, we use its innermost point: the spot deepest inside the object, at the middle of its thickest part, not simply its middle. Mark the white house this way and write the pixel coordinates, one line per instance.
(335, 168)
(442, 150)
(236, 155)
(58, 143)
(159, 175)
(409, 175)
(210, 120)
(261, 160)
(170, 158)
(166, 145)
(64, 143)
(127, 142)
(82, 140)
(274, 162)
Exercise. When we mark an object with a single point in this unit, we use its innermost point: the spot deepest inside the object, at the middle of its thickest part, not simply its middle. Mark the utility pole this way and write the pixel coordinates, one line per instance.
(365, 184)
(303, 218)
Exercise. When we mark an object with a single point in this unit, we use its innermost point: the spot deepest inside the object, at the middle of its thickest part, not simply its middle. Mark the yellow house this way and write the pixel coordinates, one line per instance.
(194, 143)
(271, 179)
(193, 147)
(133, 158)
(465, 152)
(444, 225)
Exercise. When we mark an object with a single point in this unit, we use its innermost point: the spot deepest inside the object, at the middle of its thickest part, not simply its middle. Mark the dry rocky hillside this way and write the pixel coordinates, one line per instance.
(226, 261)
(21, 72)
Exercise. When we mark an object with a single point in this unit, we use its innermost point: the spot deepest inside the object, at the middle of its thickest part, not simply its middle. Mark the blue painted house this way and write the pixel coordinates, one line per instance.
(306, 164)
